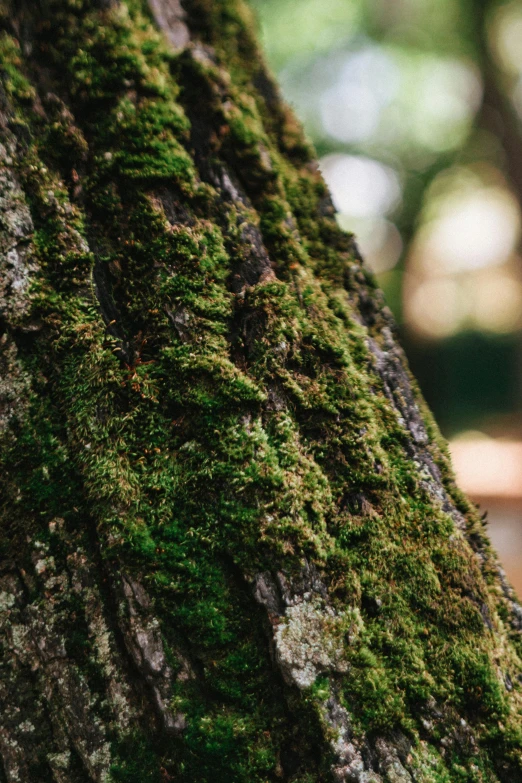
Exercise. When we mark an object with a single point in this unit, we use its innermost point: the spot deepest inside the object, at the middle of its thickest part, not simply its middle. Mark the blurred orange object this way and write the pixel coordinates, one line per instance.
(489, 470)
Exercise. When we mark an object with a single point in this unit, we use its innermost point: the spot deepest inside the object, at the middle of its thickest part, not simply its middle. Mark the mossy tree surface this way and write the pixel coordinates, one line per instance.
(232, 548)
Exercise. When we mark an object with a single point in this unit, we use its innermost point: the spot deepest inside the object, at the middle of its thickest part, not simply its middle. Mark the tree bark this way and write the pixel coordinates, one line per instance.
(232, 548)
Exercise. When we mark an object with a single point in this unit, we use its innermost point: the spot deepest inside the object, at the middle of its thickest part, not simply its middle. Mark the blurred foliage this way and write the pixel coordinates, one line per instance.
(415, 108)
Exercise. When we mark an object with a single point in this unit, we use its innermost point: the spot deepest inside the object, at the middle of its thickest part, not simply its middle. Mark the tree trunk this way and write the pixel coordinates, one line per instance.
(232, 548)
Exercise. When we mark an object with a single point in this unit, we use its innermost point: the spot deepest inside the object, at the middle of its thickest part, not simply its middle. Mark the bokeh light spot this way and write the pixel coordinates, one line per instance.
(433, 307)
(361, 187)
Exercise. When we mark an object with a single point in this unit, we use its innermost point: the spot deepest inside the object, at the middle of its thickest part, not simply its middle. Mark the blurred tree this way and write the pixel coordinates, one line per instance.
(232, 548)
(431, 92)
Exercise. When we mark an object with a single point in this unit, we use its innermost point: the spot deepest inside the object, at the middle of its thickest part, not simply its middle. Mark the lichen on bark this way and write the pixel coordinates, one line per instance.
(232, 545)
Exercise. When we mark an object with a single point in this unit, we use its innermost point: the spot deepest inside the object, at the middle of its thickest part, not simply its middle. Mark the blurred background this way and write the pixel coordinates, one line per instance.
(415, 109)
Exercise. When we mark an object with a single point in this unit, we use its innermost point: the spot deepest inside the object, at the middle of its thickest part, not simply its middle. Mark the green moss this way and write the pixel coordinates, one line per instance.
(16, 83)
(135, 760)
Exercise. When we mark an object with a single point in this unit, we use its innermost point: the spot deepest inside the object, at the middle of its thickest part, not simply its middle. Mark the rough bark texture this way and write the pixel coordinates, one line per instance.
(232, 548)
